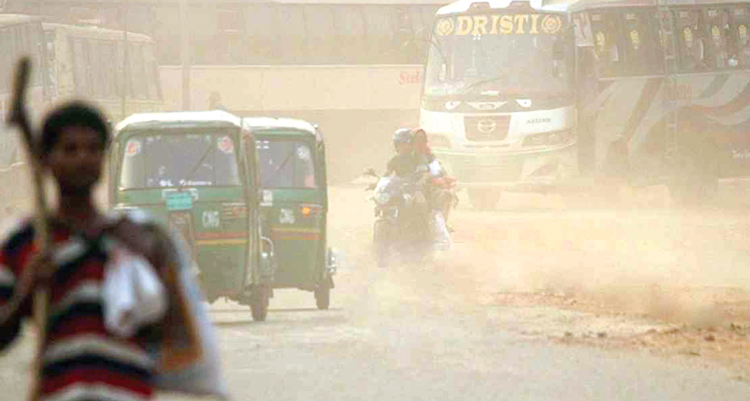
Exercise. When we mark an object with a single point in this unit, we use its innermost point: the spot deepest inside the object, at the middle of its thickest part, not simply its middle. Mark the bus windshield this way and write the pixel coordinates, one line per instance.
(172, 160)
(498, 54)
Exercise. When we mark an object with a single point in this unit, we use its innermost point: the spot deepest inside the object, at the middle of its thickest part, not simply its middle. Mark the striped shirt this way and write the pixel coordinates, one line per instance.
(81, 360)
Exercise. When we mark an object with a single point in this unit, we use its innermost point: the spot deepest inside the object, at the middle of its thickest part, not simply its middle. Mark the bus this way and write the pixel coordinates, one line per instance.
(88, 62)
(539, 95)
(354, 67)
(69, 62)
(75, 62)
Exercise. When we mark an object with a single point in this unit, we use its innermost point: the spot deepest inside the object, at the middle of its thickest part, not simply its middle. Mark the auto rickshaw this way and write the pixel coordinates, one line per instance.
(197, 173)
(294, 204)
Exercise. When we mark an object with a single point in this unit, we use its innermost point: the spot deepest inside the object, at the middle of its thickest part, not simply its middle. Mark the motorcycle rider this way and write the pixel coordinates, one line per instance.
(404, 162)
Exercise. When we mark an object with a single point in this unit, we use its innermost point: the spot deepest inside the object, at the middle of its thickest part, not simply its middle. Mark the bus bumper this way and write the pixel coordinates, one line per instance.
(529, 171)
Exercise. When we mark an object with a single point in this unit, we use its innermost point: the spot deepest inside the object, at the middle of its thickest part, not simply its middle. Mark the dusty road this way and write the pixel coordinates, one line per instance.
(546, 298)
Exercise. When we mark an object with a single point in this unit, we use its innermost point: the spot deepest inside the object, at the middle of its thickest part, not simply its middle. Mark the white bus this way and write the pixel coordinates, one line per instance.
(69, 62)
(75, 62)
(530, 95)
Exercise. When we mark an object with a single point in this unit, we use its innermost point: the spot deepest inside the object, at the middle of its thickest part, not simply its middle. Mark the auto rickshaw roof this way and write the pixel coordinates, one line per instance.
(280, 125)
(179, 119)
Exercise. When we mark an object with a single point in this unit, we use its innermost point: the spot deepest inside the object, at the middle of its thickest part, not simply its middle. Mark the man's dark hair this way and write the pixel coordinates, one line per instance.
(73, 114)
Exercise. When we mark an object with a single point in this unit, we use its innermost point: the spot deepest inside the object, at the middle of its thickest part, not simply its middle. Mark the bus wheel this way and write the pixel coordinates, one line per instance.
(259, 304)
(484, 199)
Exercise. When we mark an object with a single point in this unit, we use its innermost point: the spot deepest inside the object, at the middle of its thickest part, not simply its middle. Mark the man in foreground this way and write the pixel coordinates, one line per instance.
(85, 355)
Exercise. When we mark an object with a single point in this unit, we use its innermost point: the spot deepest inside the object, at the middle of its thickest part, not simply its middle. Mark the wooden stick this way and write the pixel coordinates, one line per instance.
(43, 236)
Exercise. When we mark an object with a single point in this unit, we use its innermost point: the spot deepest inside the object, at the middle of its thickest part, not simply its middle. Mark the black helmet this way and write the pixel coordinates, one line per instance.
(402, 135)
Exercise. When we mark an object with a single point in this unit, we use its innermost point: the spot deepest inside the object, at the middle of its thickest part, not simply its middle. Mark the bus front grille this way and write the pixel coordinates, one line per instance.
(486, 128)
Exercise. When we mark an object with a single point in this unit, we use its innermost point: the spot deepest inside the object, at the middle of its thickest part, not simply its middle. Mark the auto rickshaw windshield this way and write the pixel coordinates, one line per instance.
(286, 164)
(172, 160)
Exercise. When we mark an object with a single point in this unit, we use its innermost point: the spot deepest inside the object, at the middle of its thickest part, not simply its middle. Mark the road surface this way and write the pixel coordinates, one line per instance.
(542, 299)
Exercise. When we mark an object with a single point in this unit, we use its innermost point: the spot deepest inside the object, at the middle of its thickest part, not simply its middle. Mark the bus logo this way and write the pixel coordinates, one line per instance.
(551, 24)
(486, 126)
(445, 27)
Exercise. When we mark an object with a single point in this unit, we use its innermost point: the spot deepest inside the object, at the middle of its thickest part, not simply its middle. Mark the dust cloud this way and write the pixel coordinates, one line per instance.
(639, 256)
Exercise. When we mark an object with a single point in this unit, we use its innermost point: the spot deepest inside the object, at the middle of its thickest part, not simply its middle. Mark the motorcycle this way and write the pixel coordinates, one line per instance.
(402, 219)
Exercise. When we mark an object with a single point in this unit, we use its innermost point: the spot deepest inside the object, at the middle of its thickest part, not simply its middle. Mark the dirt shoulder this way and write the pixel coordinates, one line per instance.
(719, 333)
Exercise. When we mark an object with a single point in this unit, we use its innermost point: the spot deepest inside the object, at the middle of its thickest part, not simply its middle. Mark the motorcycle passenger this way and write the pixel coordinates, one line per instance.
(439, 188)
(442, 183)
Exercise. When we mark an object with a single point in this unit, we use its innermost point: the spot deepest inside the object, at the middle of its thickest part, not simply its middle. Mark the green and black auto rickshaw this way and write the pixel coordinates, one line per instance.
(294, 204)
(197, 172)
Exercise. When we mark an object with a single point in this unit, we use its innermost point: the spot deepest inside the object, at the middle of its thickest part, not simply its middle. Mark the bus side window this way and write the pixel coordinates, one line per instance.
(740, 37)
(692, 44)
(605, 44)
(717, 25)
(138, 77)
(109, 52)
(379, 31)
(6, 60)
(80, 66)
(261, 34)
(98, 81)
(152, 72)
(639, 45)
(320, 32)
(291, 39)
(350, 33)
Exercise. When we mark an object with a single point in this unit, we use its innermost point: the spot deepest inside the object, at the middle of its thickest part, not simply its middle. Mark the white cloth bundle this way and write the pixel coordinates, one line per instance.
(133, 295)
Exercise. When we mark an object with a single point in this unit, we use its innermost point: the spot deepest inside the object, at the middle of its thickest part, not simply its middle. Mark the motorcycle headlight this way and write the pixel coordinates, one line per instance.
(382, 198)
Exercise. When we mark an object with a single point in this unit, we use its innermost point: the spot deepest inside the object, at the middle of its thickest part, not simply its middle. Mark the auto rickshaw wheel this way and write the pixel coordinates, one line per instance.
(259, 304)
(323, 297)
